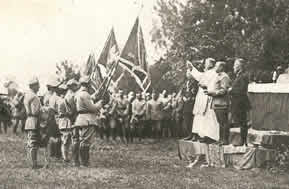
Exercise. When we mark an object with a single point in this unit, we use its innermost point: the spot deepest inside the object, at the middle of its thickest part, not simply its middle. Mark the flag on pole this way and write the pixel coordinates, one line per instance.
(110, 52)
(109, 55)
(133, 59)
(93, 70)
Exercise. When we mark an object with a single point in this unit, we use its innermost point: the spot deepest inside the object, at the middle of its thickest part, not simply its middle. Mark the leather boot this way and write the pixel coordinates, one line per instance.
(87, 148)
(226, 136)
(75, 154)
(244, 134)
(82, 155)
(33, 153)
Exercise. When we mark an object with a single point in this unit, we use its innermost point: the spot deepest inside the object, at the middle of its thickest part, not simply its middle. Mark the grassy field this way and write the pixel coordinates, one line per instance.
(148, 165)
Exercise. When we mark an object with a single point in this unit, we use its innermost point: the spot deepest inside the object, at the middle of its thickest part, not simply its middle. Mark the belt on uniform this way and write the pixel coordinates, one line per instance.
(32, 115)
(85, 112)
(64, 116)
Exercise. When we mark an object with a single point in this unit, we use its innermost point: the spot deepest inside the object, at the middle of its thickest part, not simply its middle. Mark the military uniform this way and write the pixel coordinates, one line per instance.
(66, 112)
(54, 143)
(85, 121)
(33, 108)
(112, 119)
(179, 106)
(240, 104)
(19, 113)
(138, 116)
(122, 109)
(154, 112)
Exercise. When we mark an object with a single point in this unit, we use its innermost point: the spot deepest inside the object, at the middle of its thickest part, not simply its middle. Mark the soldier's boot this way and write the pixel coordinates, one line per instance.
(33, 154)
(226, 135)
(114, 131)
(87, 162)
(22, 126)
(82, 155)
(101, 133)
(15, 127)
(5, 127)
(244, 134)
(75, 154)
(50, 147)
(58, 149)
(221, 140)
(139, 132)
(64, 152)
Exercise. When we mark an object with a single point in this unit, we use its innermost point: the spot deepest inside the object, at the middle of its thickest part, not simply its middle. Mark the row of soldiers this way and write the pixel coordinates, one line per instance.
(143, 115)
(65, 118)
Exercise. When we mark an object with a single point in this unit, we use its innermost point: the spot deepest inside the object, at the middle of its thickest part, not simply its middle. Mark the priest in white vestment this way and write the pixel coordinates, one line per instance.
(205, 122)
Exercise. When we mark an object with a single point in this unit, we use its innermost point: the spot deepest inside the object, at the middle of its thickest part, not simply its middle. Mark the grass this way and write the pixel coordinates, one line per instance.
(146, 165)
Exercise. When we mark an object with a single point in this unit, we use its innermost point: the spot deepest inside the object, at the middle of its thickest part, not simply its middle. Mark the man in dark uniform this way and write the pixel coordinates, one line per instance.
(240, 103)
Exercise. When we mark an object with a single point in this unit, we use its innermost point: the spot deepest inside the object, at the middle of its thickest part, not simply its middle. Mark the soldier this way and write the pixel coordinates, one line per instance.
(147, 121)
(240, 103)
(85, 121)
(54, 143)
(70, 105)
(138, 115)
(104, 122)
(179, 106)
(166, 114)
(65, 113)
(122, 109)
(112, 116)
(154, 112)
(33, 107)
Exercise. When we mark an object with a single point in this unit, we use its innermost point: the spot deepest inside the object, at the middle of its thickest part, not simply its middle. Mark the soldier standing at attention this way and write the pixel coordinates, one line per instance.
(112, 117)
(138, 115)
(65, 112)
(154, 111)
(54, 144)
(240, 103)
(86, 119)
(122, 109)
(33, 107)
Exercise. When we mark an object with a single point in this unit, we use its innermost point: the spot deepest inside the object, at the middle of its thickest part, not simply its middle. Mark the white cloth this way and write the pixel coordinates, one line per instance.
(205, 122)
(283, 78)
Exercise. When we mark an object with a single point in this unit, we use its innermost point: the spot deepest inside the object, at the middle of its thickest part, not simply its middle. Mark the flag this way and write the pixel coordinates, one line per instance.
(133, 59)
(110, 51)
(109, 55)
(93, 70)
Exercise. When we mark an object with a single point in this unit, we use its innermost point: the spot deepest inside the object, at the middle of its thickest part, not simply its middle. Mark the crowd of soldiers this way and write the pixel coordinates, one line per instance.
(69, 114)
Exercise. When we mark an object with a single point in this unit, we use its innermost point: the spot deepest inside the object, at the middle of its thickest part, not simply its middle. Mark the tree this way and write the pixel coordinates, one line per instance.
(256, 30)
(66, 71)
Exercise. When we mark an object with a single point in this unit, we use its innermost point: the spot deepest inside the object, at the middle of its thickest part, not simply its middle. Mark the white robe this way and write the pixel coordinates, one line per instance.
(205, 122)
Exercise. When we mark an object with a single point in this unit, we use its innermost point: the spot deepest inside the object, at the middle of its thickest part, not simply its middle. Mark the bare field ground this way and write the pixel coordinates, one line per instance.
(143, 165)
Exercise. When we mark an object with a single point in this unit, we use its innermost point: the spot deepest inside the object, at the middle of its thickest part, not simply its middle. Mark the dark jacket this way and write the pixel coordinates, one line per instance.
(240, 103)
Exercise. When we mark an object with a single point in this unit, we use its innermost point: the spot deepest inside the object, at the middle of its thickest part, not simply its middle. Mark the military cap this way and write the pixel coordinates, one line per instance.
(72, 82)
(63, 86)
(84, 79)
(33, 80)
(53, 82)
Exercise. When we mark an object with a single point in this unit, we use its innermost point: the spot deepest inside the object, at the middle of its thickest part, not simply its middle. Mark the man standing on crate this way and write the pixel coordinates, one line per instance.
(240, 103)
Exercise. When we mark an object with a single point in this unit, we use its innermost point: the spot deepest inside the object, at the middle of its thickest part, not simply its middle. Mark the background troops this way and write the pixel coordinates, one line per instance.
(138, 117)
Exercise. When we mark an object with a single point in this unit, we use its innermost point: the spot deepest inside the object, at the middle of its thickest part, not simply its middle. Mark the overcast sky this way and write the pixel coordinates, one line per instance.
(36, 34)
